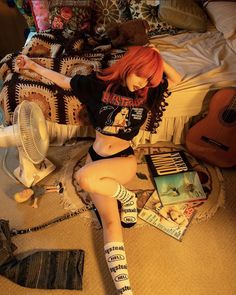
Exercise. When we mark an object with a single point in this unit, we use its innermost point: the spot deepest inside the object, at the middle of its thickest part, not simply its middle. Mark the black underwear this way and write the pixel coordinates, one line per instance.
(125, 153)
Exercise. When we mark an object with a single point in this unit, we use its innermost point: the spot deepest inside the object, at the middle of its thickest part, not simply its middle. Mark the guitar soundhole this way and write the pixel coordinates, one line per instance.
(229, 116)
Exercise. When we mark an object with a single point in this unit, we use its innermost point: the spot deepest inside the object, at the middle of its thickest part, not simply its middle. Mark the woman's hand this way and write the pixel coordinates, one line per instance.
(153, 47)
(24, 62)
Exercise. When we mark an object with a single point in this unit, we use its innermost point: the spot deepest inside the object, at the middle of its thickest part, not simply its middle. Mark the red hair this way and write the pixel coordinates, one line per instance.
(143, 61)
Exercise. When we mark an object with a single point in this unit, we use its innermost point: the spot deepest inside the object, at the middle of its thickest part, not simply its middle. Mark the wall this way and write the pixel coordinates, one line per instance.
(12, 26)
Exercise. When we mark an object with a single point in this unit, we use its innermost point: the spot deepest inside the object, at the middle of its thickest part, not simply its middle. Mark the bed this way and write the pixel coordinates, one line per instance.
(204, 53)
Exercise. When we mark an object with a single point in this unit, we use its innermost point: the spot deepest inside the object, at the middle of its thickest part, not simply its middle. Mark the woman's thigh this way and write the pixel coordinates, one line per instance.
(102, 176)
(121, 169)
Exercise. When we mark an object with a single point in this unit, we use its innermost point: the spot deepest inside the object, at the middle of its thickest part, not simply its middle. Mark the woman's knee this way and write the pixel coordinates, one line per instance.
(85, 180)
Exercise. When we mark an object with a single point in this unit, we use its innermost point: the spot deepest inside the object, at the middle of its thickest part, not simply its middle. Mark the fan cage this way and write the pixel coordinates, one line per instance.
(30, 126)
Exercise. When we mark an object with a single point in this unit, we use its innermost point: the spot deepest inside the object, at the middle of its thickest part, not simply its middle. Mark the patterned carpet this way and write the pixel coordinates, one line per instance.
(74, 197)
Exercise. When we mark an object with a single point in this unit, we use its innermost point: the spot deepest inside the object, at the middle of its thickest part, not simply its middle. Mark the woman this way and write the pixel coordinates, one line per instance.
(118, 99)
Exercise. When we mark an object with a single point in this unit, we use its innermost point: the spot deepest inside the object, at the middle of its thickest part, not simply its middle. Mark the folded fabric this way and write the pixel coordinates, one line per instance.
(54, 269)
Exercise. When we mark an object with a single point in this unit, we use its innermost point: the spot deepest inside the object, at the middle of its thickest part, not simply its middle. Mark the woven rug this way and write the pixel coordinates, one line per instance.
(72, 157)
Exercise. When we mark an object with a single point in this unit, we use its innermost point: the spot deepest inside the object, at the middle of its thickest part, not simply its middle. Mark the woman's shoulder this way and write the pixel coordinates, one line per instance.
(89, 77)
(90, 80)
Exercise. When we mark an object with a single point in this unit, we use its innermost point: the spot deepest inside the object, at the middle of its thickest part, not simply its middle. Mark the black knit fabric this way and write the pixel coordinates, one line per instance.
(54, 269)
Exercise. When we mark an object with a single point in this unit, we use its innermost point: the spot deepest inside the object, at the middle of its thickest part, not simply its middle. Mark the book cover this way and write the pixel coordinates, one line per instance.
(172, 219)
(179, 188)
(168, 163)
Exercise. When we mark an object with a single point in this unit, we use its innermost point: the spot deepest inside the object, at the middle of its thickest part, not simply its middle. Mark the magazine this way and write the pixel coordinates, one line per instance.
(174, 178)
(172, 219)
(168, 163)
(180, 188)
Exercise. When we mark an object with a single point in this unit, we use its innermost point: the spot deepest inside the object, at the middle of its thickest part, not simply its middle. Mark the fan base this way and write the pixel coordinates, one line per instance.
(34, 173)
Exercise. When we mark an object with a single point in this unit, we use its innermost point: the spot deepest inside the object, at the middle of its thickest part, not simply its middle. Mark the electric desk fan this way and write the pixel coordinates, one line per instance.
(29, 134)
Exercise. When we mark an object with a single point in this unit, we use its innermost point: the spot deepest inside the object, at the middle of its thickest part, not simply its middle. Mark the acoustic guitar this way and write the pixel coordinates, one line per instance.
(213, 139)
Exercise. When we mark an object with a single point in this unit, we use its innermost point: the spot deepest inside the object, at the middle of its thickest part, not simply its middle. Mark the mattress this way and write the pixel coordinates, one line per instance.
(206, 63)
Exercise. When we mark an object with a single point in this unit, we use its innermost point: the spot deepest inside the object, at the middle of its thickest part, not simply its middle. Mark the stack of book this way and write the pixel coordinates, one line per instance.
(170, 207)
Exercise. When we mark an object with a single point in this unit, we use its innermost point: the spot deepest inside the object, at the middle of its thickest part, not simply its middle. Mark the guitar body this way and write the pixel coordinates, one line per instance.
(213, 139)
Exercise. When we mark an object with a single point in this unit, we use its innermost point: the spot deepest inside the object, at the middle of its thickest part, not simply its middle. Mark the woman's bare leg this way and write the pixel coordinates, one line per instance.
(108, 210)
(114, 249)
(106, 177)
(109, 213)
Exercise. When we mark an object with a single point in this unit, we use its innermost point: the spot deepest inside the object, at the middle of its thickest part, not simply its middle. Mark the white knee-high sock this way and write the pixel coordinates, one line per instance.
(128, 205)
(117, 264)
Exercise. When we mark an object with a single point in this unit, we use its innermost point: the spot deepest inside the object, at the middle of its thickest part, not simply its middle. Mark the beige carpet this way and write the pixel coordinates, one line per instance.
(203, 263)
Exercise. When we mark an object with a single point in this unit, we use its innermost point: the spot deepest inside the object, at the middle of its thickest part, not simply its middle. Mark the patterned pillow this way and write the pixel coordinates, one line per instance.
(40, 12)
(185, 15)
(141, 9)
(105, 12)
(70, 16)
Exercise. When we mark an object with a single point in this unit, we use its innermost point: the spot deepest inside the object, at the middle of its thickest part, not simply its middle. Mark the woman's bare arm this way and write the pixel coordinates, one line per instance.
(25, 63)
(172, 75)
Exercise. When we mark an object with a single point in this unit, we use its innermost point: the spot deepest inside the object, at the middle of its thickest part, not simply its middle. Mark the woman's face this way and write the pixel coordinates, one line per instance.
(176, 216)
(134, 82)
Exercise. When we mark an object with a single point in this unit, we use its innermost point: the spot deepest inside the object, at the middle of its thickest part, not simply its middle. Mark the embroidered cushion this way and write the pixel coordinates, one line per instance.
(70, 16)
(40, 12)
(105, 12)
(142, 9)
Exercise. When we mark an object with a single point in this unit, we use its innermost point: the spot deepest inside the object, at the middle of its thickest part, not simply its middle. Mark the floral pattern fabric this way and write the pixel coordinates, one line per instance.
(70, 16)
(108, 11)
(41, 14)
(141, 9)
